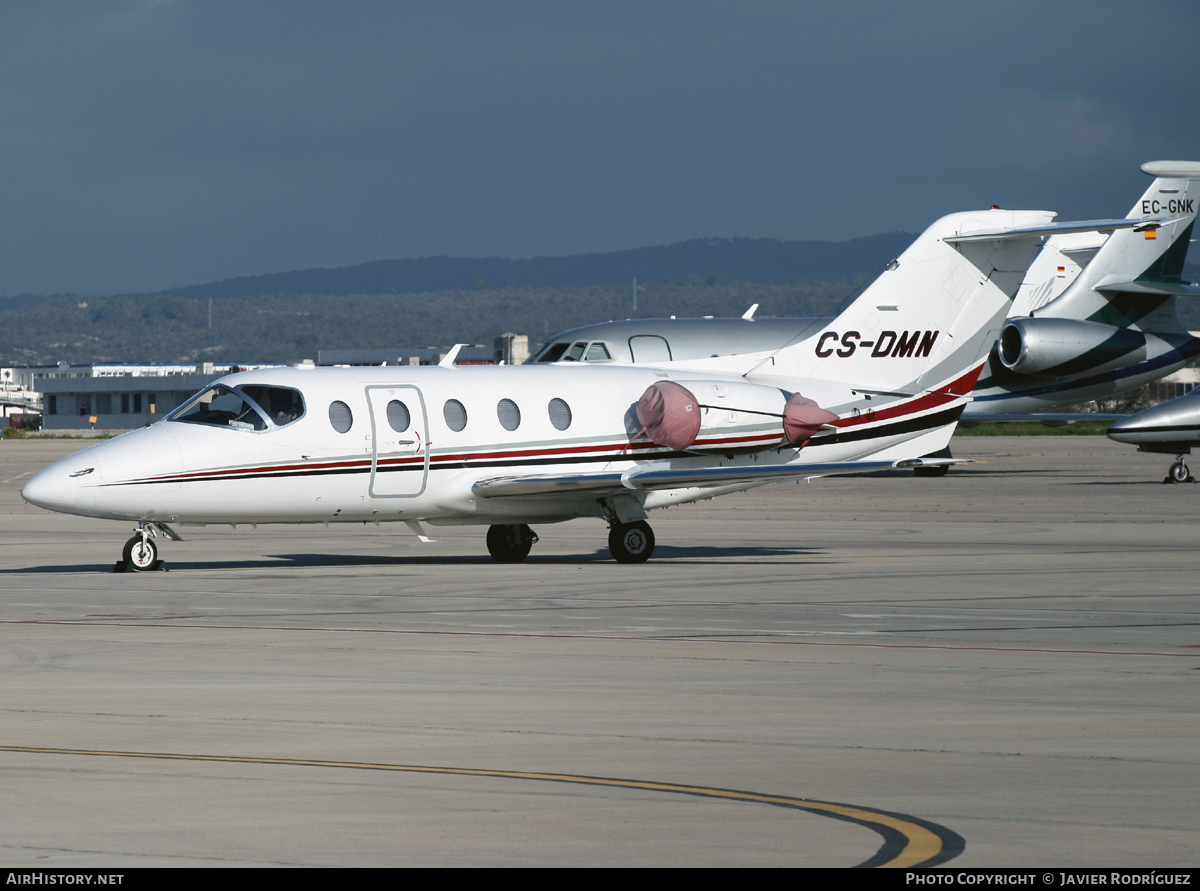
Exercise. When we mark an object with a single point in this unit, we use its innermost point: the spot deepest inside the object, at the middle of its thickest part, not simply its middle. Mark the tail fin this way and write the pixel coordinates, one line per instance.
(1133, 276)
(933, 314)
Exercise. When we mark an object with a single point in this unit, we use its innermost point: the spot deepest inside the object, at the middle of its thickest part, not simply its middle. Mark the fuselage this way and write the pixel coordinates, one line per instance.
(299, 445)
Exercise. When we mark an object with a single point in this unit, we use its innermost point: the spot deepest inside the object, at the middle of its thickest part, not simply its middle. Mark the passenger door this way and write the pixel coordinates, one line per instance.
(399, 437)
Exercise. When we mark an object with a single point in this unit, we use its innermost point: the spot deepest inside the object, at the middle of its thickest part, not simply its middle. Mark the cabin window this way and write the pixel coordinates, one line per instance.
(340, 417)
(455, 415)
(509, 414)
(397, 416)
(218, 406)
(560, 414)
(281, 405)
(598, 352)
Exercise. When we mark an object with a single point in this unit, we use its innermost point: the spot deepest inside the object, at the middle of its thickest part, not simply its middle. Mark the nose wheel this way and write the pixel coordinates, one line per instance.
(140, 553)
(1179, 472)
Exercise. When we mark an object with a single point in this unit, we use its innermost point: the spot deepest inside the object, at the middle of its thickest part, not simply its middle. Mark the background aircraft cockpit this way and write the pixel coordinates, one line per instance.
(580, 351)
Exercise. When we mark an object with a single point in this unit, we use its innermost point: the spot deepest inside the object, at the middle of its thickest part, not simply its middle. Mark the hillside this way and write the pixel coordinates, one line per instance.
(436, 301)
(289, 327)
(759, 260)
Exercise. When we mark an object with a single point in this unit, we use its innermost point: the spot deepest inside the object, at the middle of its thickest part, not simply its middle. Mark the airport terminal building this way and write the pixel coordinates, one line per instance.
(119, 397)
(122, 397)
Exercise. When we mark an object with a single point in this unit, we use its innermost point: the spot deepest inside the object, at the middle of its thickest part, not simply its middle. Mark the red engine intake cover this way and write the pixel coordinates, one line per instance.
(669, 415)
(802, 418)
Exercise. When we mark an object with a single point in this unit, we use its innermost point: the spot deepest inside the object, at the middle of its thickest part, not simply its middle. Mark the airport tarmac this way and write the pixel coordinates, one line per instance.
(995, 668)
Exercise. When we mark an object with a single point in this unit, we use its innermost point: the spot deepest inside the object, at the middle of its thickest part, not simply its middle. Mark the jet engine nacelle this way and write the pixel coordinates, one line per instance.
(1058, 347)
(727, 416)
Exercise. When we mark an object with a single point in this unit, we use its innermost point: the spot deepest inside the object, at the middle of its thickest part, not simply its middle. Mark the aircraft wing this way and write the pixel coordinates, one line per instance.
(662, 477)
(1061, 229)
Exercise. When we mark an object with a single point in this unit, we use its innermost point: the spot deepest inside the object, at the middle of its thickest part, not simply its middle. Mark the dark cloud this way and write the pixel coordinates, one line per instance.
(152, 144)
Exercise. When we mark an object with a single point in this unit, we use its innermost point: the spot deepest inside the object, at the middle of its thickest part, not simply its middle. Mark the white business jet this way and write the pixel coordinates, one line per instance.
(878, 386)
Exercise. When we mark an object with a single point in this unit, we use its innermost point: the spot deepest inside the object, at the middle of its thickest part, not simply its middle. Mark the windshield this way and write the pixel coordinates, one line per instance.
(575, 352)
(246, 409)
(552, 352)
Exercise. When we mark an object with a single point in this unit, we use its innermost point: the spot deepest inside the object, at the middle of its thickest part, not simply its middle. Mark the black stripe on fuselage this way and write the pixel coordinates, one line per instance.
(907, 425)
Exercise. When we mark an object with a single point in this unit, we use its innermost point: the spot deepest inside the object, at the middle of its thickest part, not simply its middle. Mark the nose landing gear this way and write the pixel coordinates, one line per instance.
(140, 553)
(1179, 472)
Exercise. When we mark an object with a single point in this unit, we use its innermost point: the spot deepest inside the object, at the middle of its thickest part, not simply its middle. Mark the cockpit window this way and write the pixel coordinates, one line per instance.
(220, 407)
(598, 352)
(282, 405)
(244, 408)
(579, 351)
(553, 352)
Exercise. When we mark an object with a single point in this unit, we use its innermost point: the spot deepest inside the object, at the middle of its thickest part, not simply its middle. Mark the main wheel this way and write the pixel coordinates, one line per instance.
(1180, 472)
(932, 470)
(510, 544)
(141, 555)
(631, 542)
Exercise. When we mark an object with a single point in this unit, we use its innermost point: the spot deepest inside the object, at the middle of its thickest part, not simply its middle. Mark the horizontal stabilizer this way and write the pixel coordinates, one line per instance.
(1050, 419)
(1151, 288)
(658, 477)
(1062, 229)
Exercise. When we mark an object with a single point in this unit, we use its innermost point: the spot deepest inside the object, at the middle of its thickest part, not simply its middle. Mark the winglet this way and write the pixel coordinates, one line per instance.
(748, 315)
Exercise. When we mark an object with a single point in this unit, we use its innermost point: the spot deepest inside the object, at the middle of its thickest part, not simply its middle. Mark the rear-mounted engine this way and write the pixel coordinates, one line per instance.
(723, 416)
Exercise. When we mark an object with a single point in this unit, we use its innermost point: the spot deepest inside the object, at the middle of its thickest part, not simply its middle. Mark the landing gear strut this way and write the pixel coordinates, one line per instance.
(631, 542)
(1179, 472)
(510, 544)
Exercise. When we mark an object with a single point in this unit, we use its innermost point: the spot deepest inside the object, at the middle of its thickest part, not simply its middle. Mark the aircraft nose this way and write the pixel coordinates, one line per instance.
(1176, 422)
(57, 487)
(1121, 430)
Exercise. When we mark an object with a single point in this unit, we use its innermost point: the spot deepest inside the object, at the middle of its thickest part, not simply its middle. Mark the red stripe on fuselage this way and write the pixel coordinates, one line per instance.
(956, 389)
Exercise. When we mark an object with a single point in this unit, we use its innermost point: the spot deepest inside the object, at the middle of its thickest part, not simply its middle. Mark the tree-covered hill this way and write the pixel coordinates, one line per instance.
(760, 260)
(290, 327)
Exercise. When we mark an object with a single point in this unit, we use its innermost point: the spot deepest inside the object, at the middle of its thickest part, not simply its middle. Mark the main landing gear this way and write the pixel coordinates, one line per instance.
(631, 542)
(934, 469)
(510, 544)
(140, 553)
(1179, 472)
(628, 542)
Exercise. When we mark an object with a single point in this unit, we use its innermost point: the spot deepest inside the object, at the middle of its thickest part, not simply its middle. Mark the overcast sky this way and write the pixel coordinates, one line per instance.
(147, 145)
